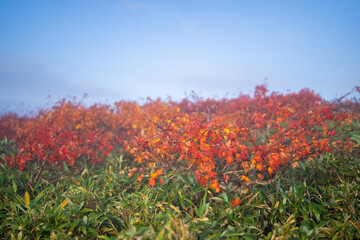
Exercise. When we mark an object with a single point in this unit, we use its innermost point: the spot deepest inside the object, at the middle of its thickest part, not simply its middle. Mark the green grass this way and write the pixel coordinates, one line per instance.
(319, 200)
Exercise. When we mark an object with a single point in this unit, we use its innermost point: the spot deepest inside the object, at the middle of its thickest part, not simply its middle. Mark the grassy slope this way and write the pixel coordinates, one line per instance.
(318, 200)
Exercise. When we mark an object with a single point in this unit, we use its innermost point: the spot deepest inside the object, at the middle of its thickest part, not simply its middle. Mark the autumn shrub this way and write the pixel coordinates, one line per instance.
(248, 140)
(245, 140)
(66, 133)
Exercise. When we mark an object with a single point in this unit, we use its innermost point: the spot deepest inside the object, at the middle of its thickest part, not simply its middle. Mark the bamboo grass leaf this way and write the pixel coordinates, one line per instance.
(27, 199)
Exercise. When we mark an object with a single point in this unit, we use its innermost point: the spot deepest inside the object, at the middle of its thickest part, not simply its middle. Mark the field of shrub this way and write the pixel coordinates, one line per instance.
(266, 166)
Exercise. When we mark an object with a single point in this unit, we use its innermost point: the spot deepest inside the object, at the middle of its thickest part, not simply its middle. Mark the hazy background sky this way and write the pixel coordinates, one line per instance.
(123, 49)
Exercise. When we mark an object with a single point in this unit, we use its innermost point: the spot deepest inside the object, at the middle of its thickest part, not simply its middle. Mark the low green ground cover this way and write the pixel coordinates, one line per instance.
(318, 200)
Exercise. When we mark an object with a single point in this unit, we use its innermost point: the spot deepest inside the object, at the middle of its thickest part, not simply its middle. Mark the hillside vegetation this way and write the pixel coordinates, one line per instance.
(265, 166)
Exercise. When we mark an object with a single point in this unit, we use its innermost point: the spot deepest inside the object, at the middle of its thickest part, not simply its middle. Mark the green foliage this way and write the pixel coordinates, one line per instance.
(7, 148)
(318, 200)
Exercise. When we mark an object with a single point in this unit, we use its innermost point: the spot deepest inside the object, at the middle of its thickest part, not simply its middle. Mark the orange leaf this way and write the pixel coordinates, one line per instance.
(214, 185)
(140, 178)
(131, 172)
(243, 177)
(152, 182)
(153, 175)
(259, 166)
(229, 159)
(228, 143)
(295, 164)
(235, 202)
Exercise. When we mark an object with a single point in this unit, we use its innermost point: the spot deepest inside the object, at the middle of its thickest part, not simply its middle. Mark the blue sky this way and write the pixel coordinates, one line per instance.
(129, 50)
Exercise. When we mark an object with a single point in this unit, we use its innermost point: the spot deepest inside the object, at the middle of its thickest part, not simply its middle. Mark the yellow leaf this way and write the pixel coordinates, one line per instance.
(227, 131)
(81, 188)
(355, 225)
(64, 203)
(276, 204)
(27, 199)
(175, 208)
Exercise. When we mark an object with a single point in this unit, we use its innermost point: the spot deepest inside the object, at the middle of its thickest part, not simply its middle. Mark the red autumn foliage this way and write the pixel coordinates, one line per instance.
(242, 140)
(67, 132)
